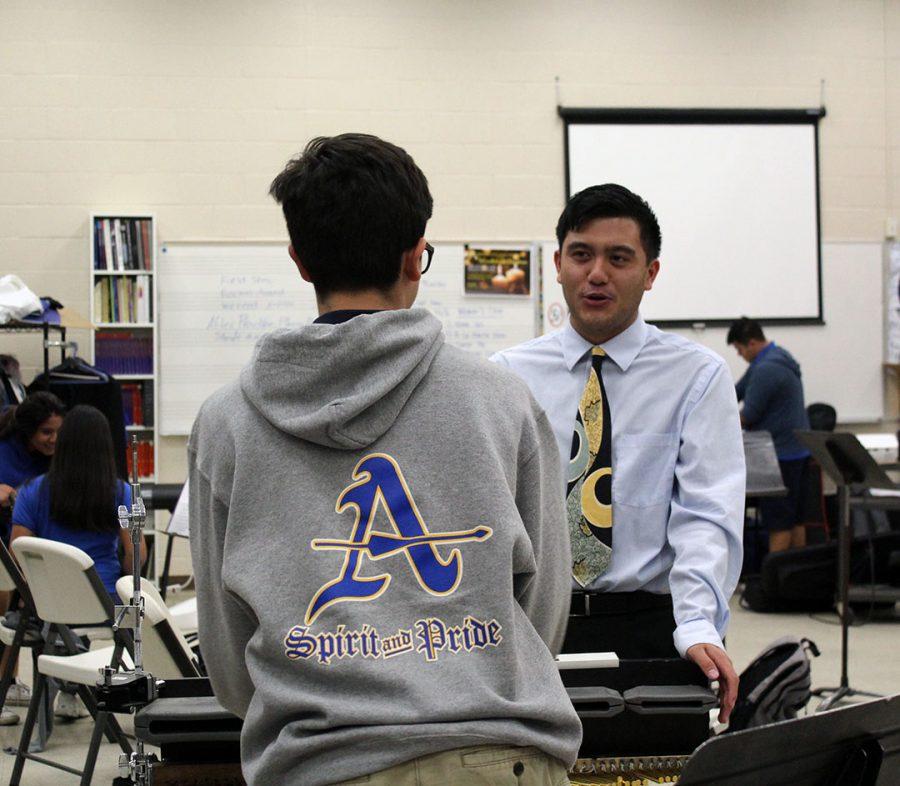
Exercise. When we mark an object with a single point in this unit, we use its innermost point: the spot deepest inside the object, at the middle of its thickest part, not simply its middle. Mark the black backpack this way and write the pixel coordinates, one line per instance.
(776, 685)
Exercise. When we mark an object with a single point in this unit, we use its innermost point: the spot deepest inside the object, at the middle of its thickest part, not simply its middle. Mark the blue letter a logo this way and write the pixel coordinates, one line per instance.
(379, 481)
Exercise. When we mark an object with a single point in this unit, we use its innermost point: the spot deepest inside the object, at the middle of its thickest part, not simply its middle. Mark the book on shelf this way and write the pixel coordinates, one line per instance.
(133, 403)
(126, 243)
(107, 246)
(147, 402)
(123, 299)
(117, 241)
(122, 244)
(143, 293)
(98, 315)
(146, 255)
(138, 246)
(99, 248)
(123, 352)
(137, 403)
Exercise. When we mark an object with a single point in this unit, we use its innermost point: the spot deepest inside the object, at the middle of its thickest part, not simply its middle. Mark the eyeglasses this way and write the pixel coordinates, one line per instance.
(425, 259)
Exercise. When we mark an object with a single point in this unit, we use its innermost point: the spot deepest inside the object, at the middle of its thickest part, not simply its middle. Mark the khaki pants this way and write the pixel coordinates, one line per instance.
(493, 765)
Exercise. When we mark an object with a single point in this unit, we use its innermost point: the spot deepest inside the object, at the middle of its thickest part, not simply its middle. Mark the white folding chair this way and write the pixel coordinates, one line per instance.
(184, 615)
(27, 631)
(67, 592)
(176, 528)
(166, 652)
(185, 612)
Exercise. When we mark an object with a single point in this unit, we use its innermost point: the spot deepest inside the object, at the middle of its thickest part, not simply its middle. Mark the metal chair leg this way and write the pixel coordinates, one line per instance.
(12, 655)
(111, 728)
(36, 697)
(88, 772)
(87, 696)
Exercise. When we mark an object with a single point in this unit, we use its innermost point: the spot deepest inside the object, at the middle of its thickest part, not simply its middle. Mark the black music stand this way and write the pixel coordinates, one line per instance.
(763, 473)
(763, 480)
(853, 471)
(849, 746)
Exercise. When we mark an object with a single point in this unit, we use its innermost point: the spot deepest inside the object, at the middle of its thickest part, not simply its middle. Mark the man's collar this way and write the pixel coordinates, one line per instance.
(621, 349)
(342, 315)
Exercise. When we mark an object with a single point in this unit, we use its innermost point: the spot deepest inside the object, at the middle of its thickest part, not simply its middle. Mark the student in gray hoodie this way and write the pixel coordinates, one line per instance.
(380, 548)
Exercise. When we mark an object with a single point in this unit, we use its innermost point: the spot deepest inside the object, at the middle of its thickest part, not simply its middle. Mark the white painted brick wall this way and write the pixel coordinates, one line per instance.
(190, 109)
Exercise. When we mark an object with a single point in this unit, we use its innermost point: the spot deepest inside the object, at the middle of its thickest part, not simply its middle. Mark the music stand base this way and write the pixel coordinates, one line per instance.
(839, 694)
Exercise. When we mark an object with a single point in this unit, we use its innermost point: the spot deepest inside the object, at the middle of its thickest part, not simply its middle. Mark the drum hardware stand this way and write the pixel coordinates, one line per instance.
(845, 535)
(854, 472)
(128, 691)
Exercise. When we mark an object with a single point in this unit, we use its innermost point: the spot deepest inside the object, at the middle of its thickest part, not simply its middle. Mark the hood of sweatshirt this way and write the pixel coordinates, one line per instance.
(342, 386)
(781, 357)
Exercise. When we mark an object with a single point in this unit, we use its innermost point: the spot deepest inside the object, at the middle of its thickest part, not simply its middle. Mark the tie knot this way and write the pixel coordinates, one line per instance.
(598, 352)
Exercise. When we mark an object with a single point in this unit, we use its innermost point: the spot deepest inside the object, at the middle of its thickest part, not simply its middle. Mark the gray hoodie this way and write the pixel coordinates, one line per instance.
(381, 553)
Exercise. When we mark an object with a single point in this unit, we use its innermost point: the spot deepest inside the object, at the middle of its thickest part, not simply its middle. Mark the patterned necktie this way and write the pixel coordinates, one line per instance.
(589, 490)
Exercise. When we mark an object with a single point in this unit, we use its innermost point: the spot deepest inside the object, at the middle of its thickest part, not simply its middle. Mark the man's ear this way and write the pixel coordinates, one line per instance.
(410, 261)
(652, 273)
(304, 273)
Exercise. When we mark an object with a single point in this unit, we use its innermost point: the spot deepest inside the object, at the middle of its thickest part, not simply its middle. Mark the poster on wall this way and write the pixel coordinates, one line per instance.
(497, 270)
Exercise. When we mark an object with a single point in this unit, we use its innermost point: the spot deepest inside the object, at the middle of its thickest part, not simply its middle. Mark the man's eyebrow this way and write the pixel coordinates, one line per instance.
(578, 245)
(622, 249)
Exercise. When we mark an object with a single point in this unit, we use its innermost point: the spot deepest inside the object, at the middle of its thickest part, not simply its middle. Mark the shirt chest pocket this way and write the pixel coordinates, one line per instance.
(643, 469)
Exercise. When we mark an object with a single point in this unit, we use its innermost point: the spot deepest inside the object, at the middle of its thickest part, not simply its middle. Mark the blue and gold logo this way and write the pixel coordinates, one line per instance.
(379, 482)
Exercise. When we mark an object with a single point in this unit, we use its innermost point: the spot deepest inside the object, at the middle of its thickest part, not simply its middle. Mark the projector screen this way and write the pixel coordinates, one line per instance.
(736, 195)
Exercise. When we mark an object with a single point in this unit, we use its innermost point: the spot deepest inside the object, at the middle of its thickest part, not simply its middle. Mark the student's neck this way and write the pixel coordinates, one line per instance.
(367, 300)
(760, 348)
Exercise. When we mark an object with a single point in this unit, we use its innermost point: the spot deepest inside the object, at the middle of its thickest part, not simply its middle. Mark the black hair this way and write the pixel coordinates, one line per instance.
(744, 330)
(82, 479)
(353, 204)
(611, 201)
(23, 420)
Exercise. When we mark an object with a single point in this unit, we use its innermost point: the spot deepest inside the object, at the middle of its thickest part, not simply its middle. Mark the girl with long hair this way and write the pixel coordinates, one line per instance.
(76, 501)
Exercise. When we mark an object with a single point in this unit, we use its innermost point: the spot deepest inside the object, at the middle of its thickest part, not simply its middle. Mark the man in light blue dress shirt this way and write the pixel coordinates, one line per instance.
(678, 471)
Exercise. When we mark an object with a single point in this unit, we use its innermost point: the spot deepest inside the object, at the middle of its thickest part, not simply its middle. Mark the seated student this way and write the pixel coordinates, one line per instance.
(27, 441)
(76, 501)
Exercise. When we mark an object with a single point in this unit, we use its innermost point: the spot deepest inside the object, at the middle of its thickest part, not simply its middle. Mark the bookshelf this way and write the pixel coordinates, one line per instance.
(124, 316)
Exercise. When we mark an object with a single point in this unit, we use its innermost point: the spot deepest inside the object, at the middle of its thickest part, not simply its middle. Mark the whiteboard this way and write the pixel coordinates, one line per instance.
(738, 207)
(216, 300)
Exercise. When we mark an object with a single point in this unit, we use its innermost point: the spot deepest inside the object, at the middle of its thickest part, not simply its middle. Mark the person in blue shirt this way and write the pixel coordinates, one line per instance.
(27, 441)
(76, 501)
(673, 494)
(772, 392)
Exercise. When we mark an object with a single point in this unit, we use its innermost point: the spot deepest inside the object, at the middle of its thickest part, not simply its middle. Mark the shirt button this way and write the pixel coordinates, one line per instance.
(518, 768)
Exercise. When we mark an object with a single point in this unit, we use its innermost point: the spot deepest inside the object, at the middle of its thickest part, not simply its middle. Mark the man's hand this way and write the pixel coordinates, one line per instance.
(716, 665)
